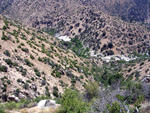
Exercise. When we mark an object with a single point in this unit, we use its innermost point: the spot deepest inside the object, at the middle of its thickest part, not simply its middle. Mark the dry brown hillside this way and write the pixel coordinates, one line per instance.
(33, 64)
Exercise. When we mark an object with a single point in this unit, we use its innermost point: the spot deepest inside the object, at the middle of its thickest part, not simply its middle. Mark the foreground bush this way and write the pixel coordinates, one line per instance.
(71, 102)
(2, 111)
(3, 68)
(91, 90)
(115, 108)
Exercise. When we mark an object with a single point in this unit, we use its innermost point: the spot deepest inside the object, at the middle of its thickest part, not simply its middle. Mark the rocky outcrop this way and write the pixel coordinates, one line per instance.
(47, 103)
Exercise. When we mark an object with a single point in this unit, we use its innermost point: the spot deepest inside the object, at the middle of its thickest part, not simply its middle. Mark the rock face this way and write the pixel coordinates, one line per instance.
(47, 103)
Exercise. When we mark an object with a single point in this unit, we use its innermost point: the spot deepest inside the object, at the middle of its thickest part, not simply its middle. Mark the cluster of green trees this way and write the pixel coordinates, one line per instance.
(71, 102)
(77, 47)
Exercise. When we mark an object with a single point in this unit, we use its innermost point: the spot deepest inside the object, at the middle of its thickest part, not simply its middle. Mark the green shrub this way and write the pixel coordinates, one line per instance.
(55, 91)
(22, 70)
(71, 102)
(77, 47)
(110, 78)
(26, 86)
(37, 72)
(32, 57)
(10, 105)
(6, 22)
(25, 50)
(47, 93)
(51, 32)
(115, 108)
(135, 95)
(56, 73)
(120, 97)
(2, 111)
(4, 37)
(7, 53)
(4, 27)
(92, 89)
(3, 68)
(9, 62)
(27, 62)
(39, 59)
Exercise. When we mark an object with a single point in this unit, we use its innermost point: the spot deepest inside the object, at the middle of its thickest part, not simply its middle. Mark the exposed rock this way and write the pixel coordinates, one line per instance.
(146, 79)
(13, 98)
(47, 103)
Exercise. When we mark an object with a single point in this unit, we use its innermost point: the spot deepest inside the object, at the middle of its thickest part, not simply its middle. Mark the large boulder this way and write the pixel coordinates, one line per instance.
(13, 98)
(47, 103)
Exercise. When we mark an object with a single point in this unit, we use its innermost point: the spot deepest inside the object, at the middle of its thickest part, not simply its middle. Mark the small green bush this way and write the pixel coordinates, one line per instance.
(9, 62)
(4, 37)
(51, 32)
(115, 108)
(92, 89)
(7, 53)
(71, 102)
(111, 78)
(135, 95)
(27, 62)
(56, 73)
(55, 91)
(2, 111)
(26, 86)
(37, 72)
(3, 68)
(32, 57)
(4, 27)
(25, 50)
(120, 97)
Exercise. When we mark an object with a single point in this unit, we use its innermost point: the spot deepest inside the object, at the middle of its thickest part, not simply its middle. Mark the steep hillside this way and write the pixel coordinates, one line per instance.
(4, 4)
(128, 10)
(98, 31)
(32, 64)
(74, 52)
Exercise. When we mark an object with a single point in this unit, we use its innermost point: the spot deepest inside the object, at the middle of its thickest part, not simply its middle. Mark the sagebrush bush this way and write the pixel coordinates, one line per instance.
(37, 72)
(4, 37)
(91, 90)
(7, 53)
(27, 62)
(3, 68)
(55, 91)
(115, 108)
(71, 102)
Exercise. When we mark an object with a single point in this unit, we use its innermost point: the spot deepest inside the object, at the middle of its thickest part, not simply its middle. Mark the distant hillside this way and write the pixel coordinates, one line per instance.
(97, 30)
(5, 4)
(128, 10)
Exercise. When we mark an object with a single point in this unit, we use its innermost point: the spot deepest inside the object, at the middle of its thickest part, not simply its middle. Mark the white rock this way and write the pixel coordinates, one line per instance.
(13, 98)
(64, 38)
(46, 103)
(116, 58)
